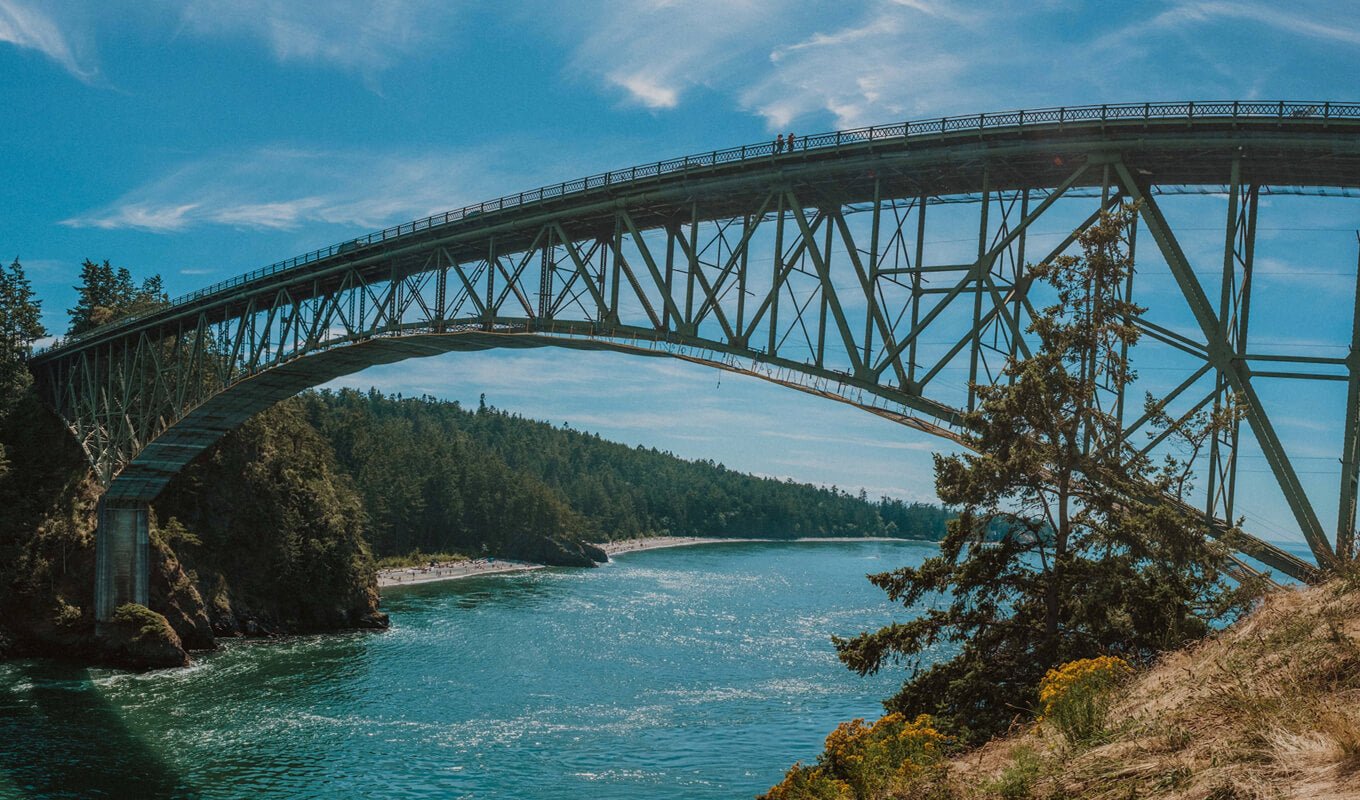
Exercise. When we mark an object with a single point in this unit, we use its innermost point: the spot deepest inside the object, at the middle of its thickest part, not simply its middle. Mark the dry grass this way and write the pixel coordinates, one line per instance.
(1269, 708)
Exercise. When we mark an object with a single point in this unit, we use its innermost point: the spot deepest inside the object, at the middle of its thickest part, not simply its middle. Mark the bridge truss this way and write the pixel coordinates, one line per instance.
(884, 267)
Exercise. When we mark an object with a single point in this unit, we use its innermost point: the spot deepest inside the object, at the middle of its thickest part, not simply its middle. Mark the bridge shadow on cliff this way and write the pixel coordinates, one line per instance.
(63, 739)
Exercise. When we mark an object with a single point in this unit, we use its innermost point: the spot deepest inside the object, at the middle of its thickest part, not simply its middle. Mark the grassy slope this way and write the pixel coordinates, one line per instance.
(1269, 708)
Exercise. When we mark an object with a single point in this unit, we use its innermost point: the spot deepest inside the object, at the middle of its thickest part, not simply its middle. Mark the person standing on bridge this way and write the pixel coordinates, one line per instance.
(791, 141)
(779, 143)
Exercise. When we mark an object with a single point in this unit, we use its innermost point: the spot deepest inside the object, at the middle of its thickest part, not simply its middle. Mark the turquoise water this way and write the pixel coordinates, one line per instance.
(690, 672)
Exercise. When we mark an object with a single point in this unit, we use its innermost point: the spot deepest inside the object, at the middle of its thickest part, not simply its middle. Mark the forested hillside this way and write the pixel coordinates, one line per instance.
(435, 476)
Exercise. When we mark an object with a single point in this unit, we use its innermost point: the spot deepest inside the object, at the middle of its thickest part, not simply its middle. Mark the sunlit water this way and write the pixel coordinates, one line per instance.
(691, 672)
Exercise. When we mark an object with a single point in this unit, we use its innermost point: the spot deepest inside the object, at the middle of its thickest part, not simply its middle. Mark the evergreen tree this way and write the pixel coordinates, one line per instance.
(19, 328)
(1065, 547)
(20, 313)
(106, 295)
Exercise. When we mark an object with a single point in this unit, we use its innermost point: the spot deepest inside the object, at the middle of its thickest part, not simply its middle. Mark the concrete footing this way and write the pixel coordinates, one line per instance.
(122, 552)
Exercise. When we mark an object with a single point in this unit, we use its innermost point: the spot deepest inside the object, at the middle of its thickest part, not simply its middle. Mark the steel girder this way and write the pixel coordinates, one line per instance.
(835, 272)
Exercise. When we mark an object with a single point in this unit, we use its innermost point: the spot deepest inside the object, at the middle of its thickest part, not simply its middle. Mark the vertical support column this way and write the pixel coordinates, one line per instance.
(616, 274)
(1234, 305)
(826, 300)
(395, 284)
(1350, 470)
(983, 263)
(916, 292)
(360, 325)
(1128, 297)
(441, 292)
(745, 245)
(670, 283)
(545, 277)
(122, 552)
(777, 279)
(605, 248)
(691, 263)
(873, 273)
(1017, 281)
(491, 256)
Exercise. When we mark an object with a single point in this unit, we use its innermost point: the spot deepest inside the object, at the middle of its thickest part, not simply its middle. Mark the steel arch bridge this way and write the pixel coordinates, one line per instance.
(883, 267)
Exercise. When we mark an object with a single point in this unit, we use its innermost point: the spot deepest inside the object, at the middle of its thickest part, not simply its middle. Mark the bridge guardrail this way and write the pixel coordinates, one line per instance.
(822, 141)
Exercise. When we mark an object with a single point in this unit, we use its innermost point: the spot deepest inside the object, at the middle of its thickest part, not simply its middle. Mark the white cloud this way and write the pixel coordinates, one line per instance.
(141, 216)
(655, 51)
(889, 66)
(1326, 21)
(646, 90)
(352, 34)
(289, 188)
(858, 63)
(23, 26)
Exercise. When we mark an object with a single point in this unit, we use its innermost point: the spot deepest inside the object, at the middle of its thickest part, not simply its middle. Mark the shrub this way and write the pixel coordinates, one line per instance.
(1017, 781)
(150, 626)
(1076, 696)
(862, 761)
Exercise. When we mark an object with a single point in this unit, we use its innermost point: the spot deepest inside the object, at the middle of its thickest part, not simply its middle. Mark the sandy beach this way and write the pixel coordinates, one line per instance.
(450, 570)
(447, 571)
(656, 543)
(453, 570)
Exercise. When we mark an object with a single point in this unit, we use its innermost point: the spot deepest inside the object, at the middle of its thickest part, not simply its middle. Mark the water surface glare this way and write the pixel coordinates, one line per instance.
(688, 672)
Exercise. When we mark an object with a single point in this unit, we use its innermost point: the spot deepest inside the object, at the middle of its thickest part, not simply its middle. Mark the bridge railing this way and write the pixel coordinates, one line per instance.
(1113, 112)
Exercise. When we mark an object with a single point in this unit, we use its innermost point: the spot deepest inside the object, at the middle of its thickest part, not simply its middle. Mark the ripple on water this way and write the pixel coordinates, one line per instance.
(681, 673)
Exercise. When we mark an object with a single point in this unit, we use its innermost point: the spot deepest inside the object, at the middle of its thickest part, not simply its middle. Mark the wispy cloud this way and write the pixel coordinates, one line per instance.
(358, 35)
(24, 26)
(658, 50)
(1324, 21)
(887, 65)
(288, 188)
(794, 63)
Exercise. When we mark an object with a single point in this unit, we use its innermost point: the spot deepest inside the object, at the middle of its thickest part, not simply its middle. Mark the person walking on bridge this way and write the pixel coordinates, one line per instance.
(791, 141)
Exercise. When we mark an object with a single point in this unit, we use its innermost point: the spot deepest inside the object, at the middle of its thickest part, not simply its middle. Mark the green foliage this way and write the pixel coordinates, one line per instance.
(19, 328)
(418, 559)
(66, 615)
(106, 295)
(45, 535)
(1017, 781)
(20, 313)
(1089, 558)
(150, 626)
(273, 516)
(172, 533)
(435, 477)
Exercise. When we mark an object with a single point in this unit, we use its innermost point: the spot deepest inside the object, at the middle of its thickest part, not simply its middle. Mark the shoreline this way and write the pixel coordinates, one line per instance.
(448, 571)
(411, 576)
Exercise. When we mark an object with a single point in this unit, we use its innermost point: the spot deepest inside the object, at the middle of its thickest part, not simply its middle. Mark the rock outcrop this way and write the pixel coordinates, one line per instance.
(596, 553)
(173, 594)
(554, 552)
(139, 638)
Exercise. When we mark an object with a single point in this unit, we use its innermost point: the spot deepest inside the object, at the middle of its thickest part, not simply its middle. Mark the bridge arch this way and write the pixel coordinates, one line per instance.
(883, 266)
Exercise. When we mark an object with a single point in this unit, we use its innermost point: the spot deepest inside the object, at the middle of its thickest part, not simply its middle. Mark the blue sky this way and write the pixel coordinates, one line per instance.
(203, 138)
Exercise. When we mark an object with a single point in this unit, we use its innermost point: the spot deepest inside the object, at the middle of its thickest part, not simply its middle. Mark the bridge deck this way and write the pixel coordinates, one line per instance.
(1283, 145)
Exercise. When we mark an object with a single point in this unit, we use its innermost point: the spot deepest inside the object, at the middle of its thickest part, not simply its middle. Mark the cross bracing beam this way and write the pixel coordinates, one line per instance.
(829, 269)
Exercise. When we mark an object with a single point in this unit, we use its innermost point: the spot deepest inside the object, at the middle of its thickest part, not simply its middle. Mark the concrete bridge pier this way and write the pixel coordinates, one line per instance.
(122, 552)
